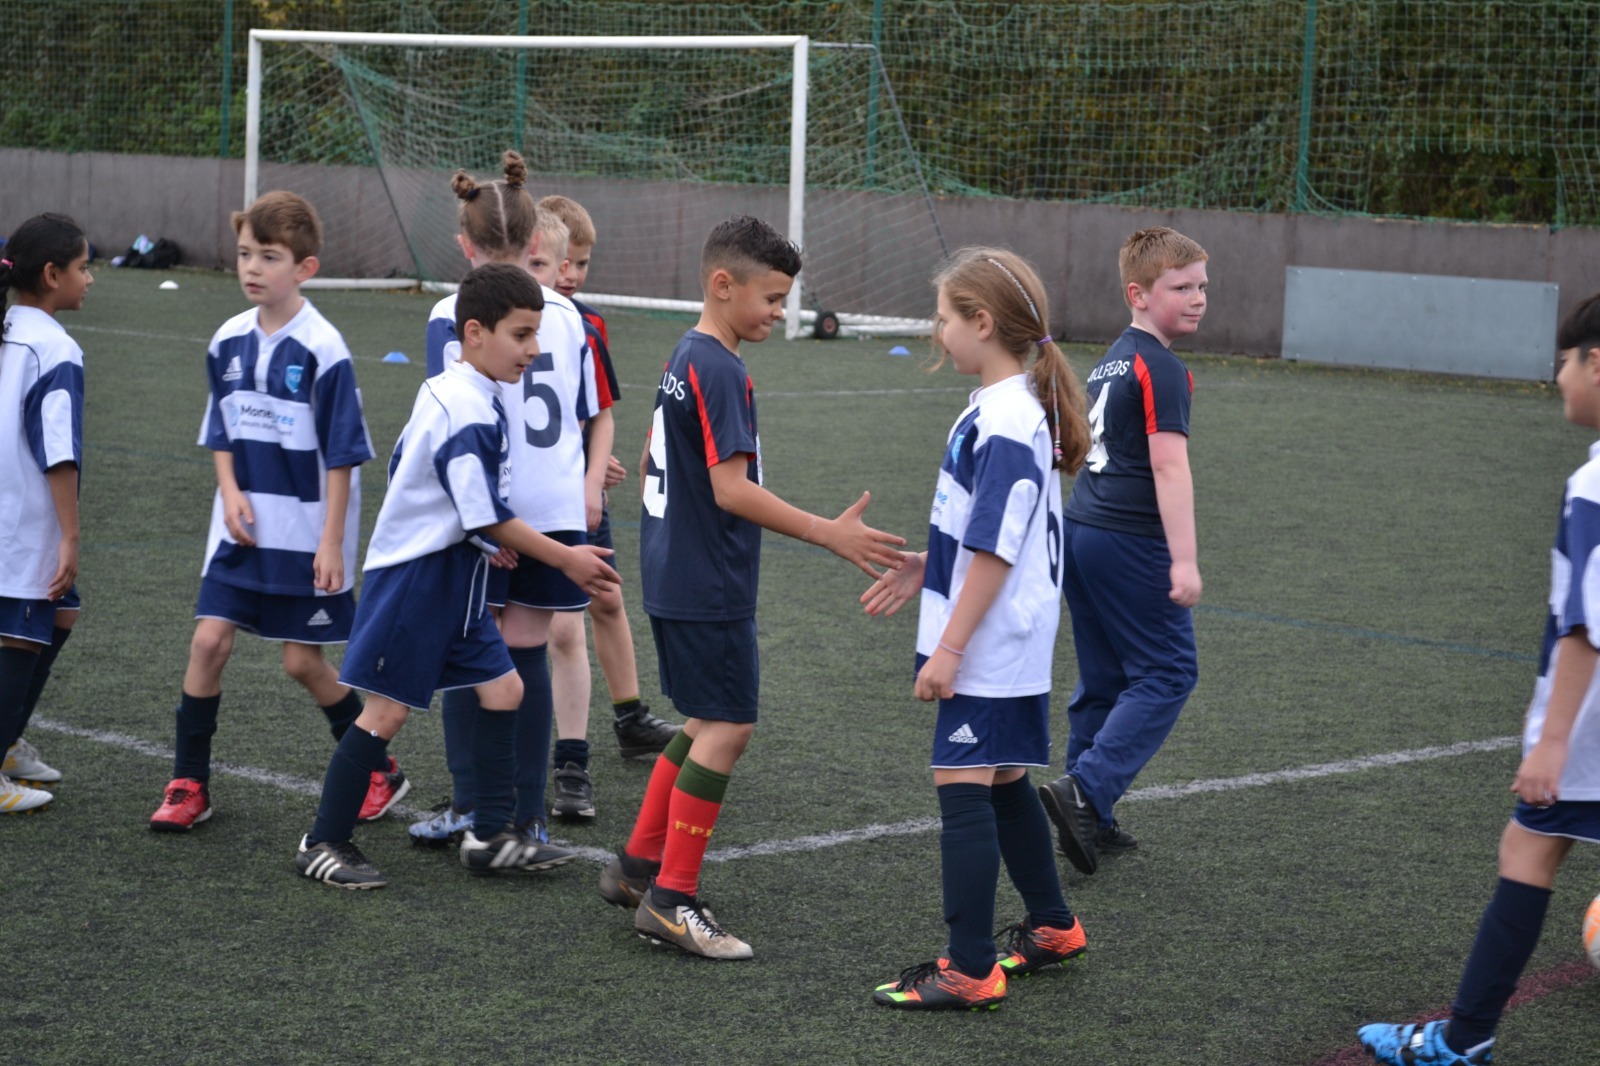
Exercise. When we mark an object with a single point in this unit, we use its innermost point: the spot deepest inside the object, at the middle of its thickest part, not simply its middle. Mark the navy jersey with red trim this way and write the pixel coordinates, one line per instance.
(1138, 388)
(605, 376)
(697, 562)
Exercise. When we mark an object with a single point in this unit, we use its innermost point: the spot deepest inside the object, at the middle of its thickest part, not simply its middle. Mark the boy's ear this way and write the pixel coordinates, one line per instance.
(1136, 296)
(720, 284)
(306, 269)
(1591, 364)
(472, 333)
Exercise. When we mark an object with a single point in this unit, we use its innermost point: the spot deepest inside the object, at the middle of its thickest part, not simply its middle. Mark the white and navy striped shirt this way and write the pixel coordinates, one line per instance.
(287, 408)
(41, 395)
(1574, 601)
(997, 493)
(546, 411)
(448, 475)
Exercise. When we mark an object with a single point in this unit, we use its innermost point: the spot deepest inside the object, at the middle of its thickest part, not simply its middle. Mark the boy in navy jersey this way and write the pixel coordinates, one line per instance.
(1131, 576)
(1558, 782)
(638, 732)
(700, 554)
(286, 432)
(424, 623)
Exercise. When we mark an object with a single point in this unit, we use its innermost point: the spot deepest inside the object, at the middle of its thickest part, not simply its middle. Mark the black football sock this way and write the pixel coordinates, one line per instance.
(41, 674)
(197, 723)
(345, 785)
(970, 865)
(16, 674)
(1028, 849)
(1507, 935)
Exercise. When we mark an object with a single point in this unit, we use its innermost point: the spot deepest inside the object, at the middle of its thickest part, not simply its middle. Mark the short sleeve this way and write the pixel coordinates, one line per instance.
(468, 466)
(442, 345)
(1005, 489)
(1581, 536)
(1167, 389)
(722, 406)
(213, 431)
(53, 416)
(341, 425)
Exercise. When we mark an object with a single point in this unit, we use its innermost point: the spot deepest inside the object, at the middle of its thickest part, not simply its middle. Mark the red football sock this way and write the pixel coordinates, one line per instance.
(650, 828)
(696, 802)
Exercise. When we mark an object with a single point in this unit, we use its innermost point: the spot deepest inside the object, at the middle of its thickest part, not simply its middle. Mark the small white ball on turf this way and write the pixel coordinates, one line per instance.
(1591, 932)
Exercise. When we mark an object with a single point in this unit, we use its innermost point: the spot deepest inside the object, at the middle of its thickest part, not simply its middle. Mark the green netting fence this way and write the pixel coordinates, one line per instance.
(1482, 110)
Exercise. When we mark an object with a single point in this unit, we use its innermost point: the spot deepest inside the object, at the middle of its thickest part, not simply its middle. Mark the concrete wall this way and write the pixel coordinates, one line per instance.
(1074, 246)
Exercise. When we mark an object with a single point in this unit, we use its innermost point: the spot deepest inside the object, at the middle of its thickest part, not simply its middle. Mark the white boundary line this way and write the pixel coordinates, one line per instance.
(305, 787)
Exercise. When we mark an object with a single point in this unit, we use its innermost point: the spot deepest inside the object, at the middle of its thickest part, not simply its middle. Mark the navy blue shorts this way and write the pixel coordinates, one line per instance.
(34, 620)
(301, 619)
(1577, 819)
(992, 731)
(709, 670)
(422, 626)
(538, 585)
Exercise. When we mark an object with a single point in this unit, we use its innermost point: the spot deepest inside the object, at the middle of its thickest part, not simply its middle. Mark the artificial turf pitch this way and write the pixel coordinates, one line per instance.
(1375, 552)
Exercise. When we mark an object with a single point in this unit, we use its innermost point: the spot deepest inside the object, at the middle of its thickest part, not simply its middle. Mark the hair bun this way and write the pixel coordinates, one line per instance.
(515, 169)
(462, 184)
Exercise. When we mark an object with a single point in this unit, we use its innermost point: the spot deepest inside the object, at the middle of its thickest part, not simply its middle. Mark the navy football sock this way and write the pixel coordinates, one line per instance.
(970, 864)
(345, 785)
(494, 769)
(1507, 935)
(535, 716)
(41, 673)
(343, 715)
(573, 751)
(16, 674)
(197, 722)
(459, 713)
(1028, 849)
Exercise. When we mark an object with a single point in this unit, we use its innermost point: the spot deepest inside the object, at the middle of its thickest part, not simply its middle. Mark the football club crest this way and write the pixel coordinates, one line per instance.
(291, 377)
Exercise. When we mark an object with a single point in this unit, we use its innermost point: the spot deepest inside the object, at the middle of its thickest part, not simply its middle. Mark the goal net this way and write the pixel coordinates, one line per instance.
(659, 138)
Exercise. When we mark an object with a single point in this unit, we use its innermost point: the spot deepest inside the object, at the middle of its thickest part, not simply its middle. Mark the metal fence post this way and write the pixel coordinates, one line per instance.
(1308, 71)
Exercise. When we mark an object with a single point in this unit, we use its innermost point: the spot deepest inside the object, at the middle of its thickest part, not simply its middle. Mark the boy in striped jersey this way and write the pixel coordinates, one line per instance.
(286, 433)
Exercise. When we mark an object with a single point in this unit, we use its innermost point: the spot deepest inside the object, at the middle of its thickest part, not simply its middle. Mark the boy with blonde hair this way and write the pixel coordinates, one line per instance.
(1131, 576)
(286, 432)
(638, 732)
(699, 560)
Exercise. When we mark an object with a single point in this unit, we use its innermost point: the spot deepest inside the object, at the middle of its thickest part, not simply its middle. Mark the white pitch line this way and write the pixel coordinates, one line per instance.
(815, 842)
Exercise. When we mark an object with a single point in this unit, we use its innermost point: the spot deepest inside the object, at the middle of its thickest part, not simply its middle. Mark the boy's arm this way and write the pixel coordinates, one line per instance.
(63, 481)
(985, 577)
(584, 564)
(1169, 464)
(846, 536)
(602, 434)
(236, 511)
(1538, 779)
(327, 567)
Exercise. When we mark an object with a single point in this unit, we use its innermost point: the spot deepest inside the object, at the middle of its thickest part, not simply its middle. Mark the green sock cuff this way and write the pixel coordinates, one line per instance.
(624, 707)
(677, 749)
(701, 783)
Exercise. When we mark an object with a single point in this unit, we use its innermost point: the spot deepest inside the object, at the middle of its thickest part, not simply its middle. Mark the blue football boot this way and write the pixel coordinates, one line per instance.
(1419, 1045)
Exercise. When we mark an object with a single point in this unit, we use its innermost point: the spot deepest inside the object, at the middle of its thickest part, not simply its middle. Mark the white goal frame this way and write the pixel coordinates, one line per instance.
(800, 46)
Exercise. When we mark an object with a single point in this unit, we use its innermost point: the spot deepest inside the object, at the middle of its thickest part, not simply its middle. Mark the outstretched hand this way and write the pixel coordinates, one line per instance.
(894, 588)
(853, 540)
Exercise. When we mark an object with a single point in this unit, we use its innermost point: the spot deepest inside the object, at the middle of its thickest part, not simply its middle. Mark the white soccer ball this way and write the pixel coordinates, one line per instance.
(1591, 932)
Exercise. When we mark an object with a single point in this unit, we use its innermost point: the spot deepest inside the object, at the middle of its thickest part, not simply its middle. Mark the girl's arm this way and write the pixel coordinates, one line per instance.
(63, 481)
(985, 577)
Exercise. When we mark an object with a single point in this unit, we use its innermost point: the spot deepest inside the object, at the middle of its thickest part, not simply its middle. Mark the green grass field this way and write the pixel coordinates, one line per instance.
(1375, 552)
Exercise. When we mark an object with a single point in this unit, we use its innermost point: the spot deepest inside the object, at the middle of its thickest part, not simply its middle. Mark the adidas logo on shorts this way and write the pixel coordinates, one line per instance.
(964, 735)
(319, 619)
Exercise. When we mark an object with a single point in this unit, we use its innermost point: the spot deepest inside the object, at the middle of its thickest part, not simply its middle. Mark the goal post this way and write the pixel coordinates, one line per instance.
(654, 134)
